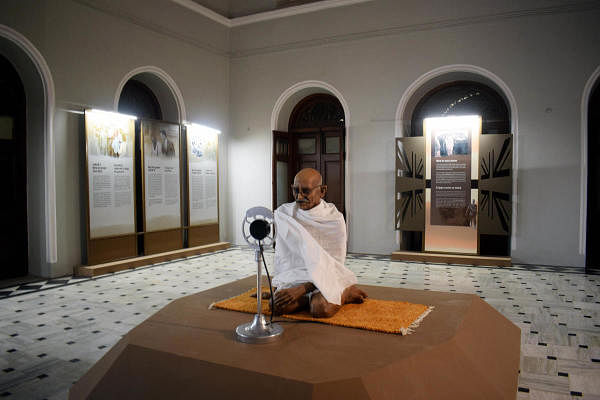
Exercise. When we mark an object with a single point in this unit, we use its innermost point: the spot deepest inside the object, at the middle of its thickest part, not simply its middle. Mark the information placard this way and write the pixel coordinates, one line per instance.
(110, 142)
(450, 175)
(162, 187)
(452, 145)
(202, 144)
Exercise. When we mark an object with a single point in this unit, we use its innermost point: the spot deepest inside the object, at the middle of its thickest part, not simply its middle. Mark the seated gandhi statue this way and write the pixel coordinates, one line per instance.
(310, 252)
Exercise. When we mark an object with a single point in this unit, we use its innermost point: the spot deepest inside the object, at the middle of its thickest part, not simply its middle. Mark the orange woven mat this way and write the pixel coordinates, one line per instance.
(375, 315)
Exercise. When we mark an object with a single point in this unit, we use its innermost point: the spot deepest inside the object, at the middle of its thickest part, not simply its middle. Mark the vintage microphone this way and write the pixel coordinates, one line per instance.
(258, 230)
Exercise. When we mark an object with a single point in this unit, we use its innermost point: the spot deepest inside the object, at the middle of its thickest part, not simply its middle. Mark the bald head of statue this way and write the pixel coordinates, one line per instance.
(308, 188)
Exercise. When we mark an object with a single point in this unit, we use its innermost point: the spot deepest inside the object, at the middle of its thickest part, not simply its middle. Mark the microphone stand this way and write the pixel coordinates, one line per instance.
(259, 330)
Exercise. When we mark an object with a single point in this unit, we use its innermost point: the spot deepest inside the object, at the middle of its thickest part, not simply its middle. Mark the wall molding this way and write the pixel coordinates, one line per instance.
(585, 100)
(581, 6)
(166, 78)
(162, 30)
(427, 26)
(514, 120)
(283, 98)
(266, 15)
(49, 103)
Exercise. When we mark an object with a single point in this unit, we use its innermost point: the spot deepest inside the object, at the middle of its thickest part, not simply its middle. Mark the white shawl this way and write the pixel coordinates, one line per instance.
(311, 247)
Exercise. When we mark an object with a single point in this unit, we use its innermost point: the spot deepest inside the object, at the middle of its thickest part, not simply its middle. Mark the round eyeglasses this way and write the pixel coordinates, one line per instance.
(305, 191)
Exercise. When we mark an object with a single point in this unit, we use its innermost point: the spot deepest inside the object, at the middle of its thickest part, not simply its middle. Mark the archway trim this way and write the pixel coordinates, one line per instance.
(284, 97)
(585, 100)
(514, 119)
(166, 78)
(49, 103)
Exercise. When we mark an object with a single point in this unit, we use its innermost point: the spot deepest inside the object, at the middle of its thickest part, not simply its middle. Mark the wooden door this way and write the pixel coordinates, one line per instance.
(323, 150)
(316, 139)
(13, 201)
(282, 168)
(332, 166)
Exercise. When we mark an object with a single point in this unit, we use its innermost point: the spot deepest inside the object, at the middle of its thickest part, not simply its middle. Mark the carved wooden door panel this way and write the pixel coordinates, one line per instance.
(307, 150)
(410, 184)
(332, 166)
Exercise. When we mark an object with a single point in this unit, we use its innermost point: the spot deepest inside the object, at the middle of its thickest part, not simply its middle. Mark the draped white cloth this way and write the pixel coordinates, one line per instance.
(311, 247)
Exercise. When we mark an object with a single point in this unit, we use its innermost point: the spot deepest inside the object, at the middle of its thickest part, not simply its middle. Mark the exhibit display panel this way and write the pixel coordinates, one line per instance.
(203, 184)
(162, 183)
(110, 192)
(454, 191)
(161, 166)
(452, 153)
(110, 143)
(202, 147)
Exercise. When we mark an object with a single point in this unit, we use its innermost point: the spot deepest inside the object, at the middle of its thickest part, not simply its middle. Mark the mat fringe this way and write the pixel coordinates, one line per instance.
(411, 328)
(212, 305)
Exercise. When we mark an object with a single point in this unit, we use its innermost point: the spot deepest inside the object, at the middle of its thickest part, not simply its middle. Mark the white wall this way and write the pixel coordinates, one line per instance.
(544, 59)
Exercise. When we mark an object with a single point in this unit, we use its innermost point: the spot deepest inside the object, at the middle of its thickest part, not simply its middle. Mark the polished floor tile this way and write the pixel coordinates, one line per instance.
(53, 331)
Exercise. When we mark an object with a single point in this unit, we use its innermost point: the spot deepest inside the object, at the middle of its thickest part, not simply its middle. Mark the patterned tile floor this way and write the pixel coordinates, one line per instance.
(52, 332)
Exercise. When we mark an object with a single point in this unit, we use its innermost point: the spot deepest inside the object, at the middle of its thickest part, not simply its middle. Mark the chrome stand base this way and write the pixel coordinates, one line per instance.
(258, 331)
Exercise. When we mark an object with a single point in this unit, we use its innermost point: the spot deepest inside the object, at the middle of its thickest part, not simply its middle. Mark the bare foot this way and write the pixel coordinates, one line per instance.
(352, 294)
(321, 308)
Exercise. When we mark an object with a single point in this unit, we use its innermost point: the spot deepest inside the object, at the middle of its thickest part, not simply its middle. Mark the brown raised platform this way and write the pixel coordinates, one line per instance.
(464, 349)
(114, 266)
(451, 258)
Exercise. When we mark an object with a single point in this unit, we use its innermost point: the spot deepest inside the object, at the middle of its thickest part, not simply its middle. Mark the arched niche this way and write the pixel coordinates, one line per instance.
(162, 86)
(41, 186)
(588, 214)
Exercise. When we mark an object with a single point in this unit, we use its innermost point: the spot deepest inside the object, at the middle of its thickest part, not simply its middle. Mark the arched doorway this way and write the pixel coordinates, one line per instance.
(13, 162)
(36, 78)
(315, 139)
(592, 254)
(457, 94)
(138, 99)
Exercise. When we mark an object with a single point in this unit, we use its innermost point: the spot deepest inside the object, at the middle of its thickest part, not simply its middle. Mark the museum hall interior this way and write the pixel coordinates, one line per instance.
(300, 199)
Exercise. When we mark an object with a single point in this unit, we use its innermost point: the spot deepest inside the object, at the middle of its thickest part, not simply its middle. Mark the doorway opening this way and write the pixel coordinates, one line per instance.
(471, 97)
(13, 161)
(592, 253)
(315, 139)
